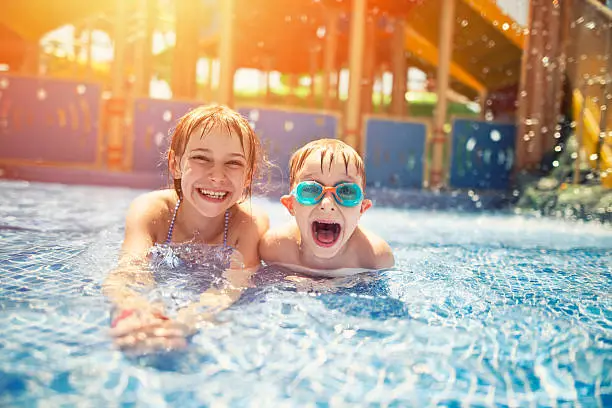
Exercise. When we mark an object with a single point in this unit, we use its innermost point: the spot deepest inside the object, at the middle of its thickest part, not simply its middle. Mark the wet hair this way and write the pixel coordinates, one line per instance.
(327, 148)
(205, 119)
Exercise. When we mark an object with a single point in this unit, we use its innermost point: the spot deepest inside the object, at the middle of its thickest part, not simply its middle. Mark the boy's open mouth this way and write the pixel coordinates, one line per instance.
(213, 195)
(325, 233)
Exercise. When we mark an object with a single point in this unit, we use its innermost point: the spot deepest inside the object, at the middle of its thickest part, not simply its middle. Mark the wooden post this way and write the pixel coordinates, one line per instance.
(369, 69)
(352, 129)
(185, 51)
(313, 68)
(400, 72)
(447, 20)
(226, 54)
(143, 60)
(116, 105)
(329, 63)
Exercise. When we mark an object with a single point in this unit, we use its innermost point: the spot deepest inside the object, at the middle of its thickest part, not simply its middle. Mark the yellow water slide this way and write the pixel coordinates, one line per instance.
(590, 130)
(487, 43)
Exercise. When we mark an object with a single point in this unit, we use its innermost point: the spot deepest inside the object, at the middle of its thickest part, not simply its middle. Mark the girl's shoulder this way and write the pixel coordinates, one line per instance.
(154, 205)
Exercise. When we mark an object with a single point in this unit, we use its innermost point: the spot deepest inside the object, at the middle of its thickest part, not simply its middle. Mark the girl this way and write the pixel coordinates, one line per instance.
(205, 219)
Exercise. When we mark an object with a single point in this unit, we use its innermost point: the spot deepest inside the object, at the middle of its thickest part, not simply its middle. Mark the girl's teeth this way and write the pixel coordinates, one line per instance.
(214, 194)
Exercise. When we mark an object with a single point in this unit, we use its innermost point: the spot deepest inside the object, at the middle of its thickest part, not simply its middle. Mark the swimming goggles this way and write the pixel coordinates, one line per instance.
(311, 193)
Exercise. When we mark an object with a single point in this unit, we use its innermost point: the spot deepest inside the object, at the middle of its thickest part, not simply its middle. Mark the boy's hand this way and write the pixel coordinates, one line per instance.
(145, 332)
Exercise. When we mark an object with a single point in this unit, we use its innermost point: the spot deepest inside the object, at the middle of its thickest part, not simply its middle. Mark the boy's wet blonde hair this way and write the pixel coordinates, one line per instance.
(328, 148)
(206, 118)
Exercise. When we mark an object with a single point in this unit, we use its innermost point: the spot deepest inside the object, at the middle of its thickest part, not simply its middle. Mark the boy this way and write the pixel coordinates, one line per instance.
(326, 178)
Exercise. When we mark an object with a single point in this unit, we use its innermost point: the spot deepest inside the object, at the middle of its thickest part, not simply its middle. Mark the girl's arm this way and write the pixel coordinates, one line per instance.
(132, 272)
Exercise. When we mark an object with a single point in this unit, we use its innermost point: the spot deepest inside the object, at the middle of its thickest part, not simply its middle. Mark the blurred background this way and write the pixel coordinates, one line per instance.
(506, 97)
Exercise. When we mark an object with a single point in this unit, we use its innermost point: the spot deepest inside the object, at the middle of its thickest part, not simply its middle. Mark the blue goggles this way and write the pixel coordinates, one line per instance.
(311, 193)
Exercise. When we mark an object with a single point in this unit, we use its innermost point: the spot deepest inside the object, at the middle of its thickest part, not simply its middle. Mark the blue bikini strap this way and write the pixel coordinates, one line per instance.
(171, 229)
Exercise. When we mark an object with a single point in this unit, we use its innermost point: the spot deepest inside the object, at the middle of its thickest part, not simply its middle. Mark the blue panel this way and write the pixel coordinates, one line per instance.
(49, 120)
(482, 154)
(282, 132)
(394, 153)
(154, 120)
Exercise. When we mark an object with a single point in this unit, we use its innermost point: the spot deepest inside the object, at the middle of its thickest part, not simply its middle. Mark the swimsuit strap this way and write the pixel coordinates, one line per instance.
(225, 227)
(171, 229)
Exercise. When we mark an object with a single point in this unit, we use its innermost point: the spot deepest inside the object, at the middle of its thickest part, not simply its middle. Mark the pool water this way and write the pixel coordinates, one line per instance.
(481, 309)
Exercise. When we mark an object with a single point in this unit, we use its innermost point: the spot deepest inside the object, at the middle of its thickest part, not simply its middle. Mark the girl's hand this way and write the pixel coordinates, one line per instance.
(145, 331)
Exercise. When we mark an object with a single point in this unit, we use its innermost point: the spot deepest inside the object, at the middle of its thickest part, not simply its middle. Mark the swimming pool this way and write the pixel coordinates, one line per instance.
(481, 309)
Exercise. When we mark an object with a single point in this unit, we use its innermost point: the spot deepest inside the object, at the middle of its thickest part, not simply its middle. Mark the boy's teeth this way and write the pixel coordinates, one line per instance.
(214, 194)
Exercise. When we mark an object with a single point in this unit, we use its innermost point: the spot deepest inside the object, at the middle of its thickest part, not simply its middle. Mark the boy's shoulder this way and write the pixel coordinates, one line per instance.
(280, 245)
(373, 251)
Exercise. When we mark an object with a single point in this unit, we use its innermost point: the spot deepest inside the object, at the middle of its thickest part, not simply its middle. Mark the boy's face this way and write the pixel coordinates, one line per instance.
(326, 226)
(212, 171)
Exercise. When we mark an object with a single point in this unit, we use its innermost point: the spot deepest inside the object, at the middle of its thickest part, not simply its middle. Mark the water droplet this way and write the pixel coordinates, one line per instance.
(321, 32)
(470, 144)
(288, 126)
(495, 135)
(505, 26)
(167, 116)
(81, 89)
(4, 83)
(254, 115)
(464, 23)
(159, 139)
(41, 94)
(555, 163)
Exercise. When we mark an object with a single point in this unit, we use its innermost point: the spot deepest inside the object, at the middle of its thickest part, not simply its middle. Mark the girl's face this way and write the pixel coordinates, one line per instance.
(213, 171)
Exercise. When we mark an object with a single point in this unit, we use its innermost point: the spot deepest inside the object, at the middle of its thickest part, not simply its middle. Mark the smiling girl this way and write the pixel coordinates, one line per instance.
(213, 157)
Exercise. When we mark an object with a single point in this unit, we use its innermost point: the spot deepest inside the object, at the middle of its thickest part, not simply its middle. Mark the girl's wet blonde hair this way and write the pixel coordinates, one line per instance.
(329, 148)
(204, 119)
